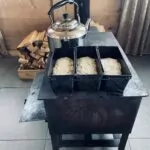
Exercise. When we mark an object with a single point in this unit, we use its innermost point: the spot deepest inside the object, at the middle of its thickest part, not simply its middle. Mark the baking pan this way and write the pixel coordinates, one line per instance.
(114, 83)
(88, 82)
(61, 83)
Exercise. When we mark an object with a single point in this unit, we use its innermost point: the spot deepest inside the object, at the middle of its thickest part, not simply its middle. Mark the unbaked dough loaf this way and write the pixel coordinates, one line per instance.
(63, 66)
(86, 66)
(111, 66)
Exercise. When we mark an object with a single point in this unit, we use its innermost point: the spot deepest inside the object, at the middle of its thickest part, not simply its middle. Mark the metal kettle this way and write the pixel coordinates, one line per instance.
(68, 32)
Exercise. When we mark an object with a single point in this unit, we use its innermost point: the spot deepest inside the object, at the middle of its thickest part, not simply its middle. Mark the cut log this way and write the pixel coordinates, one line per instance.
(32, 48)
(28, 39)
(42, 54)
(33, 37)
(99, 27)
(35, 64)
(21, 56)
(23, 61)
(45, 39)
(41, 60)
(45, 50)
(37, 57)
(40, 36)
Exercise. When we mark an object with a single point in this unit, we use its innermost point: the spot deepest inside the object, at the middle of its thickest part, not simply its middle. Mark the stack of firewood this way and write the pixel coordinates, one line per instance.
(99, 27)
(34, 51)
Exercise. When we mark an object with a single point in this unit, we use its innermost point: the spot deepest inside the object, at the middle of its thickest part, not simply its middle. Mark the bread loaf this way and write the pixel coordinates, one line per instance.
(86, 66)
(63, 66)
(111, 66)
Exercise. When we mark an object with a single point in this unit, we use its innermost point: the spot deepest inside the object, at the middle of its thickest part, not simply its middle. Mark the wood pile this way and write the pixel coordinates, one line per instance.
(34, 51)
(99, 27)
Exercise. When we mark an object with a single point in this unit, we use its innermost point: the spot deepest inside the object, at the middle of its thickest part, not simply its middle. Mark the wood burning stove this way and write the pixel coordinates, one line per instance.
(88, 113)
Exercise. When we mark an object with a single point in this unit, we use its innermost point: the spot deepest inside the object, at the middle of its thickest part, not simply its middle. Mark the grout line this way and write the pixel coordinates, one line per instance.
(45, 144)
(129, 144)
(140, 138)
(46, 131)
(47, 138)
(14, 87)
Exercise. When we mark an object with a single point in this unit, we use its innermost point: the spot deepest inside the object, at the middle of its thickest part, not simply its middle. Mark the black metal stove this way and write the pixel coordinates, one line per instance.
(99, 113)
(90, 113)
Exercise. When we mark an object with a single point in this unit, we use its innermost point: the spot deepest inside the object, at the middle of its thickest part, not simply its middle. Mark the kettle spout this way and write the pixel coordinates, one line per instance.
(88, 23)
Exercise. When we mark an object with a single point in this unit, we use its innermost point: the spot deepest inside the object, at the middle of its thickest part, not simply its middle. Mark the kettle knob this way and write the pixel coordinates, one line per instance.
(66, 16)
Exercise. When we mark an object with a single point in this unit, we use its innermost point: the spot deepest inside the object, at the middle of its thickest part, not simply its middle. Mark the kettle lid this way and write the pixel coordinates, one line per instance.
(66, 29)
(66, 24)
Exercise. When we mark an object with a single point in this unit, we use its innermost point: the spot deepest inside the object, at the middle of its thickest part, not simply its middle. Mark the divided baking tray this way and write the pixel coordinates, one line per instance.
(89, 83)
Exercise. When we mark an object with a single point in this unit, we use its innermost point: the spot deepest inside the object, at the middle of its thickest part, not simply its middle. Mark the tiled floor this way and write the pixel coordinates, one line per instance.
(34, 136)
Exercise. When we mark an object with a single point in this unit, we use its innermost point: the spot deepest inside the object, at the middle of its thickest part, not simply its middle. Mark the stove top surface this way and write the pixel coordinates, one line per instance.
(133, 89)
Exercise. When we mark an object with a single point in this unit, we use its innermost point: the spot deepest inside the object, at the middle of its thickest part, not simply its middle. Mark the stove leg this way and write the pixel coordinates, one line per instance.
(55, 141)
(123, 141)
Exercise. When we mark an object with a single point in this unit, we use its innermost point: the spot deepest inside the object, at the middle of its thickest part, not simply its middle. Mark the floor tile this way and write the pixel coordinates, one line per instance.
(126, 148)
(141, 127)
(142, 66)
(48, 135)
(8, 74)
(11, 106)
(140, 144)
(49, 147)
(22, 145)
(110, 136)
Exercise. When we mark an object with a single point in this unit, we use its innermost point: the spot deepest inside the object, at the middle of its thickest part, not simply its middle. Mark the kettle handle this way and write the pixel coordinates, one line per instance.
(62, 3)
